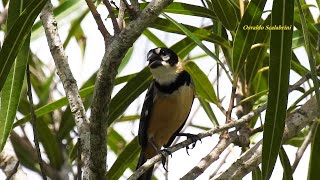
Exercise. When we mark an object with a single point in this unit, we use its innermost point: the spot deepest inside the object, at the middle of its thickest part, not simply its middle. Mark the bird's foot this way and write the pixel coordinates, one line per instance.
(164, 153)
(194, 138)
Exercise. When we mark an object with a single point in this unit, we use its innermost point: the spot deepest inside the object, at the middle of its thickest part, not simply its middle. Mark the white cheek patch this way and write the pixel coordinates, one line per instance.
(165, 64)
(165, 58)
(157, 50)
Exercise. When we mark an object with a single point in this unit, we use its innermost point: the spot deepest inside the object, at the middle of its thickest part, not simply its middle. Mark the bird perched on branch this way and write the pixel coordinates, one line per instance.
(166, 107)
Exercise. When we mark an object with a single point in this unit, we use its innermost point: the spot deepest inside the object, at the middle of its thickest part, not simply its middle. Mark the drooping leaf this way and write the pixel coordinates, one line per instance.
(197, 41)
(314, 162)
(256, 174)
(207, 108)
(280, 57)
(153, 38)
(128, 94)
(10, 94)
(287, 170)
(128, 155)
(16, 37)
(202, 84)
(310, 53)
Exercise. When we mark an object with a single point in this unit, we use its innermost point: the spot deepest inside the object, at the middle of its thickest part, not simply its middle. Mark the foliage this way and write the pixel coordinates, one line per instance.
(259, 63)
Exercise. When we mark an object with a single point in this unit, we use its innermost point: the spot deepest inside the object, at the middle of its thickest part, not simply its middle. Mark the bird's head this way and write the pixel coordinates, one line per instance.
(164, 65)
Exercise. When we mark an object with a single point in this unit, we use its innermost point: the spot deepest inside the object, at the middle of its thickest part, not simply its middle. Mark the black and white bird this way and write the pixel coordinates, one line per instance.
(167, 104)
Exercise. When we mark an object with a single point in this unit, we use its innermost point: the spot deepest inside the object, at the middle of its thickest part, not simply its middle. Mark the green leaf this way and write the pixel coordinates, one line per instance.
(153, 38)
(311, 58)
(197, 41)
(204, 88)
(16, 36)
(10, 94)
(204, 33)
(186, 9)
(280, 56)
(123, 161)
(256, 174)
(50, 144)
(207, 108)
(128, 94)
(125, 60)
(115, 141)
(183, 47)
(287, 170)
(314, 162)
(226, 13)
(244, 37)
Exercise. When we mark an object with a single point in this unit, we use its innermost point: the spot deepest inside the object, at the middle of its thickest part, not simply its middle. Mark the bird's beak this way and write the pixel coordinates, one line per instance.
(154, 59)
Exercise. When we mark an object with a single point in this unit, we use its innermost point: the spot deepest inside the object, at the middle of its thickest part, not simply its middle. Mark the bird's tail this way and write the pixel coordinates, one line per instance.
(148, 174)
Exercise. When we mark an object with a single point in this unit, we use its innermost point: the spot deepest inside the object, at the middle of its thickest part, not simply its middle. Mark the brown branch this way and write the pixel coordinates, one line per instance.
(34, 124)
(114, 53)
(14, 171)
(223, 161)
(304, 146)
(112, 16)
(205, 162)
(69, 83)
(244, 119)
(79, 162)
(231, 103)
(121, 14)
(98, 20)
(252, 158)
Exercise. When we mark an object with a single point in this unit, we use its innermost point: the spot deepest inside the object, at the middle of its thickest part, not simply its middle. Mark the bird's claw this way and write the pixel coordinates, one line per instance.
(194, 138)
(164, 153)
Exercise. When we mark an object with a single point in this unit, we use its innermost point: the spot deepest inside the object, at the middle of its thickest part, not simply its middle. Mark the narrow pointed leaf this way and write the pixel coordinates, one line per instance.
(287, 170)
(226, 13)
(314, 163)
(153, 38)
(280, 56)
(128, 155)
(245, 37)
(308, 47)
(207, 108)
(16, 36)
(120, 102)
(202, 84)
(10, 94)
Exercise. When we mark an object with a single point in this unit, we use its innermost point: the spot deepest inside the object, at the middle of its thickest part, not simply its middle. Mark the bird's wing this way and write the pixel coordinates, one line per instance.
(145, 116)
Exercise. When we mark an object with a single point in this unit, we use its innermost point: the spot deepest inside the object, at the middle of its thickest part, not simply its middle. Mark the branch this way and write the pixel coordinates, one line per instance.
(112, 16)
(114, 53)
(68, 81)
(304, 146)
(98, 20)
(34, 125)
(10, 166)
(211, 157)
(252, 158)
(244, 119)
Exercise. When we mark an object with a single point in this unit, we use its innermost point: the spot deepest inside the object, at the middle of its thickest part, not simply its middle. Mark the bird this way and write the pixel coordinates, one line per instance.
(166, 106)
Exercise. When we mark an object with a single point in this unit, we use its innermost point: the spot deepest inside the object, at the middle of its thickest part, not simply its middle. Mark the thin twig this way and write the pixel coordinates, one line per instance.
(112, 16)
(223, 161)
(122, 10)
(135, 5)
(244, 119)
(34, 125)
(98, 20)
(15, 169)
(232, 98)
(205, 162)
(79, 163)
(304, 146)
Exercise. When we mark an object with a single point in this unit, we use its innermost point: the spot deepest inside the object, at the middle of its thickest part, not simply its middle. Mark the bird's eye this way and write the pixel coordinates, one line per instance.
(163, 52)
